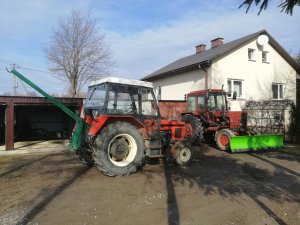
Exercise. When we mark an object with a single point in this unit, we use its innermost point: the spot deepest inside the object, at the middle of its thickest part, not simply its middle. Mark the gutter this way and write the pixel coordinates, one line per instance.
(205, 66)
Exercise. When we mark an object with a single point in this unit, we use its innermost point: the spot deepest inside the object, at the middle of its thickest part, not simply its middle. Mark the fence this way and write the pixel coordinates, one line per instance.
(271, 117)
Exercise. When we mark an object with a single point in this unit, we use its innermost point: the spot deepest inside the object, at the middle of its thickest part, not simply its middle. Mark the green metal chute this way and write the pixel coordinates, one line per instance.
(80, 124)
(256, 142)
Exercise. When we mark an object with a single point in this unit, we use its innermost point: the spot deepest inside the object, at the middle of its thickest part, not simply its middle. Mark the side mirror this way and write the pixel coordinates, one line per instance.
(234, 95)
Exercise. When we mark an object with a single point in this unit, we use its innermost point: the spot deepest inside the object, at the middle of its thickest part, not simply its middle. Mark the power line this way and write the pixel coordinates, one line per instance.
(26, 68)
(36, 70)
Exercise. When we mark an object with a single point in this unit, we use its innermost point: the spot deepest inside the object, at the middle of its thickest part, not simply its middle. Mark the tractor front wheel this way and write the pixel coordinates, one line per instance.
(119, 149)
(182, 154)
(223, 139)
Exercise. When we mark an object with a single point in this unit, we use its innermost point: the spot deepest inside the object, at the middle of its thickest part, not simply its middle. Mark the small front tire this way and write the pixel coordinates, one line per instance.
(183, 155)
(222, 138)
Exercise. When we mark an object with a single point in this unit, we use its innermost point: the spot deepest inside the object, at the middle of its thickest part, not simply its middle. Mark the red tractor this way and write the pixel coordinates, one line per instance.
(208, 113)
(126, 127)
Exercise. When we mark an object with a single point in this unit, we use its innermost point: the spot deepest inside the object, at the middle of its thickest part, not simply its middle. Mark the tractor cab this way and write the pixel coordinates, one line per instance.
(207, 100)
(121, 97)
(211, 106)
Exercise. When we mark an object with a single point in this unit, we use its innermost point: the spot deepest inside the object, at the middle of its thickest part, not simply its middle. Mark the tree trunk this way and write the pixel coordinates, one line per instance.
(73, 87)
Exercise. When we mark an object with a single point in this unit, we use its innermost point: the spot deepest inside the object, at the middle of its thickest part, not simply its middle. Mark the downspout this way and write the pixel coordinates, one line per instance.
(205, 66)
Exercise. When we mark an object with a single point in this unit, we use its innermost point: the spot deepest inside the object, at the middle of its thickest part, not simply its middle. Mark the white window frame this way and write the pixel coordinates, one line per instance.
(230, 93)
(278, 91)
(252, 57)
(267, 58)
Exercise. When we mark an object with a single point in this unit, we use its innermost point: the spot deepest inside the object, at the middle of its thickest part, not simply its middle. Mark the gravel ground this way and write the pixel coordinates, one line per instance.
(53, 187)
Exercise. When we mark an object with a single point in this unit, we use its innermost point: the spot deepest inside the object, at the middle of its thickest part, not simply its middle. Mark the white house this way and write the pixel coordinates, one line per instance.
(255, 66)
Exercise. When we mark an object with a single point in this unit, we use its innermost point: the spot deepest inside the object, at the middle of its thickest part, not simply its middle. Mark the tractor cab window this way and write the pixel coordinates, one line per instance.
(122, 100)
(216, 101)
(131, 100)
(201, 102)
(96, 97)
(148, 102)
(191, 103)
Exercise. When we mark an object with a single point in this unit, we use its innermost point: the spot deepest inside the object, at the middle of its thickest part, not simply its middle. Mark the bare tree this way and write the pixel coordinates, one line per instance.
(287, 6)
(77, 51)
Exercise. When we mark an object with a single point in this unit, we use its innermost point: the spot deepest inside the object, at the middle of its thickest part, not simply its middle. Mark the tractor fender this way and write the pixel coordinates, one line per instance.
(100, 122)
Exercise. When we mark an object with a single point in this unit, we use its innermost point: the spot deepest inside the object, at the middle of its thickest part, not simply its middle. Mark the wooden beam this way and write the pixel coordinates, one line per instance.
(9, 125)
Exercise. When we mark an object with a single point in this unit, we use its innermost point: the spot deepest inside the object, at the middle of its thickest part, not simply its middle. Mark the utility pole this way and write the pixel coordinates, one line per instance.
(15, 83)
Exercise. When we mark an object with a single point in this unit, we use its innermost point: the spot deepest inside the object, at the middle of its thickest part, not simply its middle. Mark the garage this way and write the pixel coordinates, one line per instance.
(34, 118)
(41, 122)
(2, 124)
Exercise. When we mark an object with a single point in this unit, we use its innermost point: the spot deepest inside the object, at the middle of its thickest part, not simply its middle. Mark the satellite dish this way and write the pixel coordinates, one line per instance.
(262, 40)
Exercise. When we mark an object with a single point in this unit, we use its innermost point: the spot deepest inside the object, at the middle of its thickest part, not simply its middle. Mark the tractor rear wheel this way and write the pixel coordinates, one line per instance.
(119, 149)
(197, 134)
(85, 156)
(223, 139)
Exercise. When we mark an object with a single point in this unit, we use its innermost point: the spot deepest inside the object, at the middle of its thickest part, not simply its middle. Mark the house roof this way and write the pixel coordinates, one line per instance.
(193, 62)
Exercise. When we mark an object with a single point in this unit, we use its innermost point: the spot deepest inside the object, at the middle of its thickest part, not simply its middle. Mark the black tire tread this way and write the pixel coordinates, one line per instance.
(196, 124)
(100, 147)
(226, 131)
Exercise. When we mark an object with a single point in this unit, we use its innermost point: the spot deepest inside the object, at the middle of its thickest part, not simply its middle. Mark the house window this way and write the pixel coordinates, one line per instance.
(277, 90)
(251, 54)
(235, 86)
(265, 57)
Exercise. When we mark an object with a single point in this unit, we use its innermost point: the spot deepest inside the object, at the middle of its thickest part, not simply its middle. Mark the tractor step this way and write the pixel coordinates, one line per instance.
(154, 153)
(256, 142)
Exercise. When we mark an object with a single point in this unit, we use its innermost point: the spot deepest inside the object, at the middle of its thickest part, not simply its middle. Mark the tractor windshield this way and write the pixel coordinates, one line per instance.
(216, 101)
(96, 97)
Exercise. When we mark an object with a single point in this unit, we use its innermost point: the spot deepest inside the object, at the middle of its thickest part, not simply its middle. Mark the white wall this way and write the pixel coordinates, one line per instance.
(257, 76)
(175, 87)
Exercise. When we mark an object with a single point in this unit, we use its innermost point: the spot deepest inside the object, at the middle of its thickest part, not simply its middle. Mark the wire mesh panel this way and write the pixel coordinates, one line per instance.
(269, 117)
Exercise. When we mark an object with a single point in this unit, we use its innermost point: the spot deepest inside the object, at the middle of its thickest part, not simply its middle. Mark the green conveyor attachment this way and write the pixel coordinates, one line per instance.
(77, 136)
(256, 142)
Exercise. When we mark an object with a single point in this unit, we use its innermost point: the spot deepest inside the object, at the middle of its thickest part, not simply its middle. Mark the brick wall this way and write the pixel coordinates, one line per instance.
(171, 110)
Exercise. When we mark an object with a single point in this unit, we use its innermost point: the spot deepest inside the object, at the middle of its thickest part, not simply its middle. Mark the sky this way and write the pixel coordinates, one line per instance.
(144, 35)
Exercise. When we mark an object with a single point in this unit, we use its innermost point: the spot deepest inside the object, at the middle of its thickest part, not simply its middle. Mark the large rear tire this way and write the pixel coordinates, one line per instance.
(223, 139)
(119, 149)
(85, 156)
(197, 135)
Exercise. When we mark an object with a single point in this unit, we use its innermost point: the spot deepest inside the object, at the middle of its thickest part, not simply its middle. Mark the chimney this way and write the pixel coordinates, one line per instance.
(217, 42)
(200, 48)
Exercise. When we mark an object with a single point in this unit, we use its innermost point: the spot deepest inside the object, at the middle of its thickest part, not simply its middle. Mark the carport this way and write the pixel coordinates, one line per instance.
(2, 124)
(34, 118)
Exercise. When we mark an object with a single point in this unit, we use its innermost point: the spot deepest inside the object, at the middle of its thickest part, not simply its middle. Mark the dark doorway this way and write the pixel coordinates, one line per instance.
(40, 122)
(2, 124)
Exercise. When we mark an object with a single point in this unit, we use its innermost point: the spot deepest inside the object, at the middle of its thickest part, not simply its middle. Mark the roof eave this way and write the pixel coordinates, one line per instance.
(172, 72)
